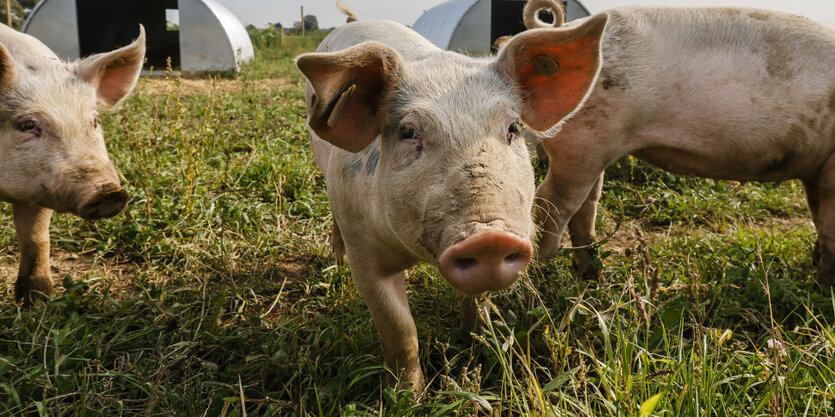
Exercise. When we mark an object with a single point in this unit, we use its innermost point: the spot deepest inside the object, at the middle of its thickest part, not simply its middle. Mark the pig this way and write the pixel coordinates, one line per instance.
(725, 93)
(423, 157)
(52, 151)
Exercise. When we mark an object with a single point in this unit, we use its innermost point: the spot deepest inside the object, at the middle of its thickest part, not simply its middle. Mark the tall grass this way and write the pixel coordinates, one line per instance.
(215, 292)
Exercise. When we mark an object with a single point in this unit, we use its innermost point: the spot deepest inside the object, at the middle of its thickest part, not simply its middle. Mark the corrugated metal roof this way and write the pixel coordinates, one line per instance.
(438, 24)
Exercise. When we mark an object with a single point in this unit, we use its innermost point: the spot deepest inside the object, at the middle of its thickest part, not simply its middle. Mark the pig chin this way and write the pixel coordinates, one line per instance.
(483, 257)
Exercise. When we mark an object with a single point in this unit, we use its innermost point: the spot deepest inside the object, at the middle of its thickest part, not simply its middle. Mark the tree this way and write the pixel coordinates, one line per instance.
(311, 23)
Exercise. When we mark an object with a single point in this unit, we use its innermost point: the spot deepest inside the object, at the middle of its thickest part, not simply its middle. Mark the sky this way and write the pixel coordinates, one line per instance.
(262, 12)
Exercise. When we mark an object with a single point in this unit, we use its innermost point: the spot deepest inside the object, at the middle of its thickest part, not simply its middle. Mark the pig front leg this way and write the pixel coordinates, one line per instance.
(581, 228)
(385, 294)
(558, 199)
(32, 225)
(337, 244)
(471, 306)
(813, 198)
(821, 197)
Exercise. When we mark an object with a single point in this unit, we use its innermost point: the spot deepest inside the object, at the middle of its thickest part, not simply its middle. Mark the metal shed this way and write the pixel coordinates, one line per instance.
(197, 35)
(473, 25)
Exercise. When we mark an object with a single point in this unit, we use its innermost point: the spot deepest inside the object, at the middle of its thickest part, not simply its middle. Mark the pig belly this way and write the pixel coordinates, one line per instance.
(730, 163)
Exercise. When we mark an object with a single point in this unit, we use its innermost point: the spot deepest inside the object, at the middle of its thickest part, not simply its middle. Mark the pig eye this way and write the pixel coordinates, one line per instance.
(514, 131)
(28, 126)
(96, 122)
(407, 132)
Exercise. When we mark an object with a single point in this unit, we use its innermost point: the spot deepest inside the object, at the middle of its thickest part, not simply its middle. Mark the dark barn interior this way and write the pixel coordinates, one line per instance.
(107, 24)
(501, 25)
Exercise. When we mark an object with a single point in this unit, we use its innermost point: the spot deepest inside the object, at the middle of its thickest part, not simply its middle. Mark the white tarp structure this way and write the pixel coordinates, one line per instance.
(210, 37)
(465, 25)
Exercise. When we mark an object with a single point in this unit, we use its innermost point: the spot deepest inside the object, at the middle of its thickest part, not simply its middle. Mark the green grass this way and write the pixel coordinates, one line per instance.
(215, 292)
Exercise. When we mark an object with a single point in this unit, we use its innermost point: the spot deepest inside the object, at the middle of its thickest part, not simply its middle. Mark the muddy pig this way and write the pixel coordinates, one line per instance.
(724, 93)
(52, 152)
(423, 159)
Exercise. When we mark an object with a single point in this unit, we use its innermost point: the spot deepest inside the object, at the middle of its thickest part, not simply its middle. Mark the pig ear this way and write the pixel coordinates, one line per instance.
(114, 73)
(8, 71)
(554, 69)
(349, 86)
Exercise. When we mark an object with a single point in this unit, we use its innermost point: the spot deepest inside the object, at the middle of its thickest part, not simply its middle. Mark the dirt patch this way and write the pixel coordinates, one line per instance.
(153, 85)
(101, 274)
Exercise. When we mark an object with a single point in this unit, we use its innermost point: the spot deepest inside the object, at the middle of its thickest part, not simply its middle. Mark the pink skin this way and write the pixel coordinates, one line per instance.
(486, 261)
(52, 150)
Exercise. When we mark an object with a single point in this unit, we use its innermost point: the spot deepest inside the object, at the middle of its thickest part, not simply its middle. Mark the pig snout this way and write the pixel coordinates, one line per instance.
(109, 199)
(485, 261)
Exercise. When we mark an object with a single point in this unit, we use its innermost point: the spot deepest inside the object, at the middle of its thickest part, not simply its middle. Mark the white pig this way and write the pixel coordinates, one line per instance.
(724, 93)
(423, 158)
(52, 152)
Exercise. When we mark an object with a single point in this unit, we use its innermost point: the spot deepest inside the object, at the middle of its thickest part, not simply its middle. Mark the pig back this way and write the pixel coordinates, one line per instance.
(702, 82)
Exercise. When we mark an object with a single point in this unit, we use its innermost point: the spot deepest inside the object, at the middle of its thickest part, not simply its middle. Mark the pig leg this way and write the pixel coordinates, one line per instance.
(32, 225)
(471, 305)
(825, 222)
(581, 227)
(385, 294)
(337, 244)
(813, 197)
(559, 197)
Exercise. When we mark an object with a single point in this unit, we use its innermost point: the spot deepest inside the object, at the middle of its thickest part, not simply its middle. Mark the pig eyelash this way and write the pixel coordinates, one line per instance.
(28, 126)
(96, 122)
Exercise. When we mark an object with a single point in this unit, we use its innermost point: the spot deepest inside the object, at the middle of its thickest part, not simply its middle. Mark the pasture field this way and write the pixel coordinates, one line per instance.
(215, 294)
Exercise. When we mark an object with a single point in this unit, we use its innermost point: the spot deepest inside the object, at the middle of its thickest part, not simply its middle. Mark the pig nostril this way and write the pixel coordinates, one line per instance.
(465, 263)
(514, 257)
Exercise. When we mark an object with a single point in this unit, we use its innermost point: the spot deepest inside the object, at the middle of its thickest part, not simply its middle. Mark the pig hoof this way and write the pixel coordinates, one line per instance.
(590, 271)
(410, 380)
(33, 290)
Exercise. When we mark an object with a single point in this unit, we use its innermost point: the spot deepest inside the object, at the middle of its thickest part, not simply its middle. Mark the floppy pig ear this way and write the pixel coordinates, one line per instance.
(349, 86)
(114, 73)
(554, 69)
(8, 72)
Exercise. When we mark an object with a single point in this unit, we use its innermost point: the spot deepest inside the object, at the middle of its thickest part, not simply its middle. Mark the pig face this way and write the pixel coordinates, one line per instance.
(455, 174)
(453, 180)
(52, 150)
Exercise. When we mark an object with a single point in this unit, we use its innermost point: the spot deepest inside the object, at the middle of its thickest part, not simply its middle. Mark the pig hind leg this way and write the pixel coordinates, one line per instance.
(581, 228)
(34, 277)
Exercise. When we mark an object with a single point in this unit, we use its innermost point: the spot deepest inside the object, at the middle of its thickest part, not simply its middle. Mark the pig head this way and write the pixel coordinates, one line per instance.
(52, 151)
(424, 161)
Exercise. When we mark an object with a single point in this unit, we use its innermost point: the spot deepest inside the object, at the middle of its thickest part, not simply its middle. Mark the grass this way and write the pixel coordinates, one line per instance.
(215, 292)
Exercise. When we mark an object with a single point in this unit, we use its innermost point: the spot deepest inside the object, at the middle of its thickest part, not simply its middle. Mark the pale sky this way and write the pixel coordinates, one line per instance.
(261, 12)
